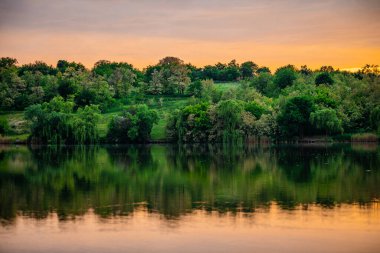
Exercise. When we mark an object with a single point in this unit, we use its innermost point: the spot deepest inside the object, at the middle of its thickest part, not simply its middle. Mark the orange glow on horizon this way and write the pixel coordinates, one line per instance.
(142, 52)
(316, 33)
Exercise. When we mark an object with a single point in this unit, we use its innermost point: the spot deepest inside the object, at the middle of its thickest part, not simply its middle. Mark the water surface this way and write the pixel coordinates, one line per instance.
(168, 198)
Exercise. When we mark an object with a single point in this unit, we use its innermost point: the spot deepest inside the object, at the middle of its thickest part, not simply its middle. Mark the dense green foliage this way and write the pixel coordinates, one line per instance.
(4, 126)
(55, 122)
(324, 78)
(294, 117)
(133, 125)
(327, 120)
(285, 76)
(289, 104)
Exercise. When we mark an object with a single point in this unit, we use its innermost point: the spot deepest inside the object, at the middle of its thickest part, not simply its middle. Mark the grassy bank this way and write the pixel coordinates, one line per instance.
(18, 130)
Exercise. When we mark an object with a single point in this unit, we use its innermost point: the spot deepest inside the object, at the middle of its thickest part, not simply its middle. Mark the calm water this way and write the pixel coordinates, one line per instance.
(167, 198)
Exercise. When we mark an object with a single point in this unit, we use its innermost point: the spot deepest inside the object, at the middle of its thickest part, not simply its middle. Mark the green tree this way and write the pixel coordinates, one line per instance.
(248, 69)
(12, 90)
(55, 122)
(285, 76)
(175, 75)
(133, 125)
(94, 89)
(69, 83)
(62, 65)
(34, 92)
(38, 66)
(84, 125)
(266, 126)
(294, 118)
(230, 115)
(7, 62)
(325, 97)
(179, 79)
(255, 109)
(324, 78)
(305, 70)
(155, 84)
(190, 124)
(326, 120)
(106, 68)
(232, 71)
(328, 69)
(263, 70)
(264, 83)
(50, 121)
(85, 97)
(195, 89)
(122, 79)
(375, 119)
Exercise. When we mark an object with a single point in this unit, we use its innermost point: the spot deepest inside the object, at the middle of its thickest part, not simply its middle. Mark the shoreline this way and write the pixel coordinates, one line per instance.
(304, 141)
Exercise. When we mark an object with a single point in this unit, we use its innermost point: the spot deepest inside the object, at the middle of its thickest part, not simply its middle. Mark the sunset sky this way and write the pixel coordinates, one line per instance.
(341, 33)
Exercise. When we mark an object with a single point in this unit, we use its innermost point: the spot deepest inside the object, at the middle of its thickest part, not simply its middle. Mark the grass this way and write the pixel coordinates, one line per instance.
(158, 130)
(16, 122)
(164, 106)
(18, 130)
(168, 105)
(226, 86)
(104, 121)
(17, 138)
(364, 137)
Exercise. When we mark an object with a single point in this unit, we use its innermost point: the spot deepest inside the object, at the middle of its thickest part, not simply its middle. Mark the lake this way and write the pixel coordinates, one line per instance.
(190, 198)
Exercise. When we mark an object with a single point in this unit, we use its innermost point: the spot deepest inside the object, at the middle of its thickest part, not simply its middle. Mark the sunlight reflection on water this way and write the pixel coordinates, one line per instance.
(163, 198)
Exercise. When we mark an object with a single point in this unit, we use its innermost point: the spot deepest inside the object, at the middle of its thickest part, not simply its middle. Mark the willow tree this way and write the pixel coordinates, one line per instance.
(84, 125)
(55, 122)
(230, 114)
(326, 120)
(50, 122)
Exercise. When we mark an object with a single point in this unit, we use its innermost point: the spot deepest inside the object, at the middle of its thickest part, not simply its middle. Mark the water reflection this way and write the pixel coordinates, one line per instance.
(173, 181)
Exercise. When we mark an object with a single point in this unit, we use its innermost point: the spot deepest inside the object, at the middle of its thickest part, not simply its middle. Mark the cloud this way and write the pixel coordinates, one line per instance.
(350, 24)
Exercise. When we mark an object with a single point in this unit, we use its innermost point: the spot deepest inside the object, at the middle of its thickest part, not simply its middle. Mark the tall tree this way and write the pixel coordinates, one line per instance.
(324, 78)
(326, 120)
(285, 76)
(122, 79)
(294, 118)
(248, 69)
(155, 84)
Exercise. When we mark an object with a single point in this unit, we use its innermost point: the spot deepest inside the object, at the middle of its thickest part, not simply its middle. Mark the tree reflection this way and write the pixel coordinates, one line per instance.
(177, 179)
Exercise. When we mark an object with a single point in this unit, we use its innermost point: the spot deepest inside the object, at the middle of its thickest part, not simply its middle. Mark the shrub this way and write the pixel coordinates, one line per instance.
(133, 125)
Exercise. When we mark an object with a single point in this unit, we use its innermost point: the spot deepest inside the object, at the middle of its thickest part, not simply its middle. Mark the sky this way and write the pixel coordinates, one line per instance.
(341, 33)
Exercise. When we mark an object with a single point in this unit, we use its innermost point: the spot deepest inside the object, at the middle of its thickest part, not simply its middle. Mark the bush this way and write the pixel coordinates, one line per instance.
(133, 125)
(192, 123)
(255, 109)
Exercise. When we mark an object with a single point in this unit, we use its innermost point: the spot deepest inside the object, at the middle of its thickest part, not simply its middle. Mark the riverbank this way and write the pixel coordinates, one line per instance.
(347, 138)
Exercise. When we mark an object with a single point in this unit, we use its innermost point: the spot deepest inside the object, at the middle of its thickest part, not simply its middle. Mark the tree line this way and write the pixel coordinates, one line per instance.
(63, 103)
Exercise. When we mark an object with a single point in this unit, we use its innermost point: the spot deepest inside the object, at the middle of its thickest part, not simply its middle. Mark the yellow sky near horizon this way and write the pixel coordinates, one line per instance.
(343, 34)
